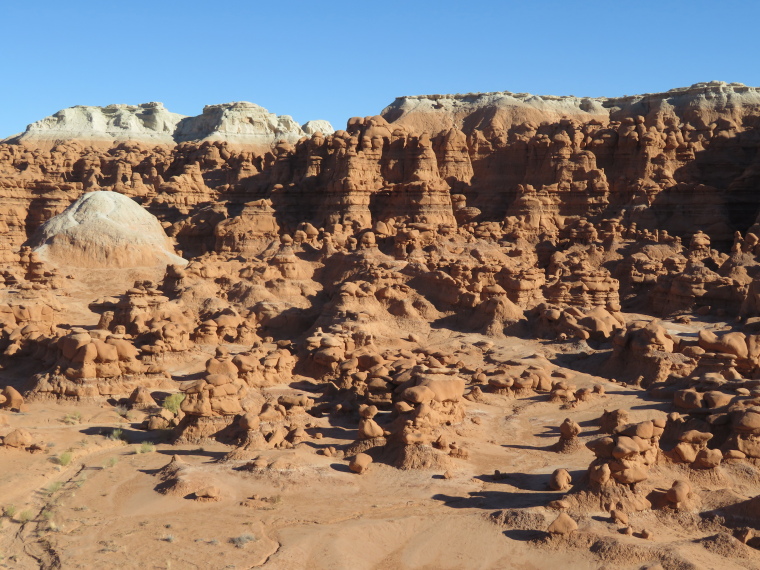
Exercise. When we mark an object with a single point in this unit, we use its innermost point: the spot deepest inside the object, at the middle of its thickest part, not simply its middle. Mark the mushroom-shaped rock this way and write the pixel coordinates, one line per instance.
(369, 429)
(625, 447)
(695, 437)
(418, 394)
(367, 412)
(360, 463)
(602, 447)
(630, 475)
(560, 480)
(249, 421)
(600, 474)
(13, 399)
(19, 438)
(569, 429)
(747, 422)
(708, 458)
(618, 516)
(611, 421)
(445, 388)
(679, 492)
(644, 430)
(717, 399)
(688, 399)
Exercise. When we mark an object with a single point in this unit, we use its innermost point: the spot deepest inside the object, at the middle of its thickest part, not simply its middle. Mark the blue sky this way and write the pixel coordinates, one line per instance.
(334, 59)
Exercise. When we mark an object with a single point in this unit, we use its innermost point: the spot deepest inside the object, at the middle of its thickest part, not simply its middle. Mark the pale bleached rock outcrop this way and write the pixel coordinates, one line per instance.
(502, 110)
(243, 123)
(105, 229)
(150, 122)
(318, 126)
(239, 123)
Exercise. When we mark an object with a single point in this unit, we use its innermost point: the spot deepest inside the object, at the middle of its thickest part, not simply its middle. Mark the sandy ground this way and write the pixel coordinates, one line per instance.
(102, 509)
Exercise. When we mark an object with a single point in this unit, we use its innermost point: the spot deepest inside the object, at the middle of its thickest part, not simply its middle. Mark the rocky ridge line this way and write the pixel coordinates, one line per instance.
(240, 123)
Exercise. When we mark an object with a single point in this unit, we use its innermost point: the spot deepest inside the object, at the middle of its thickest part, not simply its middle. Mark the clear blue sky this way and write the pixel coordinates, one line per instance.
(334, 59)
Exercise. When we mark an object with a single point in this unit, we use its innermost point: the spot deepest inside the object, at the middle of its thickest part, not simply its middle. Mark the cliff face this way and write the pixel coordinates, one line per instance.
(680, 161)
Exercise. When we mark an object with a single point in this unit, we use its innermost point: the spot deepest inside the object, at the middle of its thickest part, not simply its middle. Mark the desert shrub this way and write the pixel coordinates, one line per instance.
(146, 447)
(123, 411)
(25, 516)
(242, 540)
(9, 511)
(54, 488)
(64, 458)
(117, 434)
(72, 419)
(173, 402)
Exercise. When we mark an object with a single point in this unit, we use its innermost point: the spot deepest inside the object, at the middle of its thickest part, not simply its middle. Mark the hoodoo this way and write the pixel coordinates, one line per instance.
(541, 309)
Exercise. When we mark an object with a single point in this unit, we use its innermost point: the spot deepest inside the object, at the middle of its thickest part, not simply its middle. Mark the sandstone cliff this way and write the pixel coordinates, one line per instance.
(495, 166)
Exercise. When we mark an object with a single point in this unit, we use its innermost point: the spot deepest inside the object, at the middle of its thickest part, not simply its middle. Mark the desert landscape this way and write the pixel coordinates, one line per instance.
(483, 330)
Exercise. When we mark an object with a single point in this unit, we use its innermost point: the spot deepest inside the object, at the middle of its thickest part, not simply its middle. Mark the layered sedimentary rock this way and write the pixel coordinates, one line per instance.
(427, 289)
(245, 124)
(671, 156)
(238, 123)
(149, 122)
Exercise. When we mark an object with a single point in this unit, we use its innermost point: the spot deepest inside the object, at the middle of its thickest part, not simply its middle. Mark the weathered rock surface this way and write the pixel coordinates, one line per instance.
(240, 123)
(459, 284)
(104, 229)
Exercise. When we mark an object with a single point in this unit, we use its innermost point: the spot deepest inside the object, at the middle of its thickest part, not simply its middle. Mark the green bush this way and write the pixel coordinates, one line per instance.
(64, 458)
(147, 447)
(72, 419)
(173, 402)
(9, 511)
(117, 434)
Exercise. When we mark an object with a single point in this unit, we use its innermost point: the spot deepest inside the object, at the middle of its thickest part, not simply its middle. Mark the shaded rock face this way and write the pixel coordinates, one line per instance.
(561, 200)
(677, 161)
(104, 229)
(671, 160)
